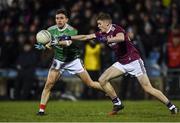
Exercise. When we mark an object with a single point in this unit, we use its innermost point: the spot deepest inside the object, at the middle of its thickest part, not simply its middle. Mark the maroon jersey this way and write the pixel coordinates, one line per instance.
(125, 51)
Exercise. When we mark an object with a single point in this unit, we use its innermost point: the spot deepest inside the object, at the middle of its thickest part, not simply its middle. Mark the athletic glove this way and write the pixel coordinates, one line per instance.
(101, 38)
(39, 46)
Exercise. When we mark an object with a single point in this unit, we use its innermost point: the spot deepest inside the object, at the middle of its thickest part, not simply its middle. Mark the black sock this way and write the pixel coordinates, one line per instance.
(116, 101)
(170, 105)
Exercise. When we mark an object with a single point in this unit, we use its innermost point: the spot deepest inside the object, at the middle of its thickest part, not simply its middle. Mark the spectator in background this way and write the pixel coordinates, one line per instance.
(148, 36)
(92, 63)
(173, 48)
(26, 63)
(9, 52)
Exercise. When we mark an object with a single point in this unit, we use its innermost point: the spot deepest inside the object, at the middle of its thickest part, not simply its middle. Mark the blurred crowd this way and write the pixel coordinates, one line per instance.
(153, 23)
(153, 26)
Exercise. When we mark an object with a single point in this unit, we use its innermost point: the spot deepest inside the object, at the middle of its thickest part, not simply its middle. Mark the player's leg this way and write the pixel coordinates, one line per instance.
(53, 76)
(75, 67)
(146, 85)
(88, 81)
(110, 73)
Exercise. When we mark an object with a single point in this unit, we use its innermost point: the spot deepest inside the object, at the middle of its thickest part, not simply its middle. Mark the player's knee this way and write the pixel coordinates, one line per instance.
(89, 84)
(147, 90)
(155, 91)
(102, 81)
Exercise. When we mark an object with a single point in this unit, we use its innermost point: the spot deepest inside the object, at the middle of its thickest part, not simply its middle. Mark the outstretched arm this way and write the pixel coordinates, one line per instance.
(65, 43)
(83, 37)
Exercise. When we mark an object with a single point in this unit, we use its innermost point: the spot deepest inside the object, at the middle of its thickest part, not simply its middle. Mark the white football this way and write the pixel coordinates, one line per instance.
(43, 37)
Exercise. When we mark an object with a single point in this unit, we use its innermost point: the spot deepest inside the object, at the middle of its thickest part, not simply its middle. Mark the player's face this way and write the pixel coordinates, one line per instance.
(61, 20)
(103, 25)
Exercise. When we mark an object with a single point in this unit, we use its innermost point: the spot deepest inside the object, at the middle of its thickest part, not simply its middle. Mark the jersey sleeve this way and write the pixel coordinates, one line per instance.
(73, 32)
(121, 30)
(118, 29)
(97, 34)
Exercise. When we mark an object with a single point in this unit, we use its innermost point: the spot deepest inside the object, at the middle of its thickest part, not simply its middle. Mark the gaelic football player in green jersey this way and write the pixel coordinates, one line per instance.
(66, 58)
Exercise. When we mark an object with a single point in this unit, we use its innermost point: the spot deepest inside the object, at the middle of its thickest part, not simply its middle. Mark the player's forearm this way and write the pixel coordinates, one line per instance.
(79, 37)
(83, 37)
(65, 43)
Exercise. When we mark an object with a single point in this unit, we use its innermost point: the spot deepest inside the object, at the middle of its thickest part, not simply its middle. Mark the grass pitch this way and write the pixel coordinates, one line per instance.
(87, 111)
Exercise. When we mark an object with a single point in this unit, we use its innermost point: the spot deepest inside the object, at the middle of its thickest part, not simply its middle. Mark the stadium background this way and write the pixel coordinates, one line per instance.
(153, 26)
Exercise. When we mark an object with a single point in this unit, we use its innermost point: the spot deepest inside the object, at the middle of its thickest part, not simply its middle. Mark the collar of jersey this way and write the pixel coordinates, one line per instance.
(109, 29)
(65, 26)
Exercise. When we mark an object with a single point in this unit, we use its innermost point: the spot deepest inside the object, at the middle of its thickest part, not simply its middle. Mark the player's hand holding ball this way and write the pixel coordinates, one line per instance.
(40, 46)
(55, 42)
(43, 37)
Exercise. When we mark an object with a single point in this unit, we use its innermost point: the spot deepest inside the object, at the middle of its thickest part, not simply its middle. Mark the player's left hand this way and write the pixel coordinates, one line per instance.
(40, 46)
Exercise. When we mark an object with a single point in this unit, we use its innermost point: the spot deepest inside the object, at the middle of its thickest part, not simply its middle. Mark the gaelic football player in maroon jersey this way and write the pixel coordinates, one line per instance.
(128, 61)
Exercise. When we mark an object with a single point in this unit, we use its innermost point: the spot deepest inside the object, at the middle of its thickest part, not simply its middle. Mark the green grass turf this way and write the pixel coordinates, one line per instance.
(87, 111)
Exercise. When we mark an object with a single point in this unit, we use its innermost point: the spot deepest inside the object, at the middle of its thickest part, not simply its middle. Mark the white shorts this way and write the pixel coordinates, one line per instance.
(134, 68)
(72, 67)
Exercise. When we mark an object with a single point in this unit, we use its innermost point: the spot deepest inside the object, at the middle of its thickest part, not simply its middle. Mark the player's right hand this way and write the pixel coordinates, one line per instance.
(39, 46)
(54, 42)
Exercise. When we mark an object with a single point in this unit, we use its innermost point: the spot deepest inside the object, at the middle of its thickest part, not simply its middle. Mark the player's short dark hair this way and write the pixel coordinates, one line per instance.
(62, 11)
(104, 16)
